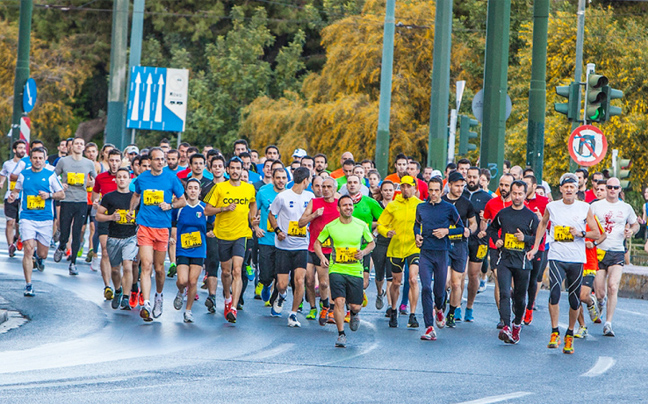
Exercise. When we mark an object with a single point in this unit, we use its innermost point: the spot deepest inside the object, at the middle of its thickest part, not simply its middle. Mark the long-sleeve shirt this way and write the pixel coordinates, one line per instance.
(399, 216)
(432, 216)
(509, 220)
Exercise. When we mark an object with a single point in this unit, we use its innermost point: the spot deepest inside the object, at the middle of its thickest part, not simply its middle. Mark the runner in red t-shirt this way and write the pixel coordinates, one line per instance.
(401, 164)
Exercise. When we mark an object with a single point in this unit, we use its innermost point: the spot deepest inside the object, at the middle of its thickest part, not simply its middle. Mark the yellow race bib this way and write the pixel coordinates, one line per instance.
(191, 240)
(269, 226)
(153, 197)
(600, 254)
(76, 179)
(512, 243)
(12, 185)
(455, 236)
(481, 251)
(296, 231)
(327, 243)
(122, 217)
(345, 255)
(35, 202)
(561, 233)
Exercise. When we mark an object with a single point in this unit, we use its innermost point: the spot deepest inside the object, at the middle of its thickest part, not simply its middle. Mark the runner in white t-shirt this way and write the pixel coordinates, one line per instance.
(619, 222)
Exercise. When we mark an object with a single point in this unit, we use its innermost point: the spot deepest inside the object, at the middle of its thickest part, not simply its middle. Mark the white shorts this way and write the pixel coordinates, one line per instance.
(39, 230)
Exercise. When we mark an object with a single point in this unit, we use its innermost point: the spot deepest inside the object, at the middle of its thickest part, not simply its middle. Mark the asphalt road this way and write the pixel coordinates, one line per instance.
(75, 348)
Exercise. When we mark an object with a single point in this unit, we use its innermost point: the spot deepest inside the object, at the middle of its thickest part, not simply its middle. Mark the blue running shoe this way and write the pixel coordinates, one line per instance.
(249, 271)
(265, 293)
(469, 316)
(457, 314)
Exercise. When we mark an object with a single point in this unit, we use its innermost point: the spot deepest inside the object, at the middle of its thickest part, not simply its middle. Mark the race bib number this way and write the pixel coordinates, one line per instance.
(76, 179)
(327, 243)
(122, 217)
(600, 254)
(481, 251)
(345, 255)
(561, 233)
(269, 226)
(153, 197)
(296, 231)
(454, 237)
(191, 240)
(12, 185)
(512, 243)
(35, 202)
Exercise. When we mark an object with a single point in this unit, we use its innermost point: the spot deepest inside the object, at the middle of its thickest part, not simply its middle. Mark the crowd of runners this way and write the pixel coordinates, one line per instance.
(297, 233)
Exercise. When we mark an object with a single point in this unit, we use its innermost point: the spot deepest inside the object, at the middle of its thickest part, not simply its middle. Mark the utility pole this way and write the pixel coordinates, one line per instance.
(440, 94)
(134, 59)
(495, 87)
(538, 89)
(578, 68)
(22, 65)
(382, 137)
(117, 86)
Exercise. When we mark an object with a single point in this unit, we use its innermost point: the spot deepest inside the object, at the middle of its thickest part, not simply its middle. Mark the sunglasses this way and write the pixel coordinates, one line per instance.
(613, 187)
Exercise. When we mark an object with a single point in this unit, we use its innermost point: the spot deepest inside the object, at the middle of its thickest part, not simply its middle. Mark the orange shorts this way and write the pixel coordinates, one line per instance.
(150, 236)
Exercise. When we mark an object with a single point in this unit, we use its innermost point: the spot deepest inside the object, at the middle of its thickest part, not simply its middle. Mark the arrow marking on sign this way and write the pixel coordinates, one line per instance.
(29, 97)
(135, 111)
(158, 105)
(147, 101)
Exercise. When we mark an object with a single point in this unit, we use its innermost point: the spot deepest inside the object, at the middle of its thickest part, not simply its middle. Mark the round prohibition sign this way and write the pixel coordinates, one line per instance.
(587, 145)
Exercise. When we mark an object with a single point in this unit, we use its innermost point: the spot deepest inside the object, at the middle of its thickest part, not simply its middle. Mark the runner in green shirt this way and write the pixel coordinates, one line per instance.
(347, 234)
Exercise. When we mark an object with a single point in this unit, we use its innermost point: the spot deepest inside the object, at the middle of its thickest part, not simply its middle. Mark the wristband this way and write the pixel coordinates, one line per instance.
(277, 230)
(584, 233)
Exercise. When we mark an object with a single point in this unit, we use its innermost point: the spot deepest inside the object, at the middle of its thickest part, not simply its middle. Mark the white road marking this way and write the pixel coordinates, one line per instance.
(270, 352)
(603, 364)
(497, 399)
(633, 312)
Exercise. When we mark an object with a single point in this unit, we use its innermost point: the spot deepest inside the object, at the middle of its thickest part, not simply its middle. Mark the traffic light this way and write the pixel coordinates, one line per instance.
(465, 135)
(596, 97)
(608, 110)
(624, 172)
(571, 108)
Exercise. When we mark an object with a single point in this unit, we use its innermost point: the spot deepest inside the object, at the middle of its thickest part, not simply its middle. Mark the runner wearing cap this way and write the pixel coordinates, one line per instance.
(298, 154)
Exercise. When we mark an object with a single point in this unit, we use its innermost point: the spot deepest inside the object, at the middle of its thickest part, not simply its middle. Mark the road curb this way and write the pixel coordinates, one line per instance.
(4, 316)
(634, 282)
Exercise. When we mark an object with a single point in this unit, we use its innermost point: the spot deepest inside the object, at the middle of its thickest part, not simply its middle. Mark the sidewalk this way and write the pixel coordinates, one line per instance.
(634, 282)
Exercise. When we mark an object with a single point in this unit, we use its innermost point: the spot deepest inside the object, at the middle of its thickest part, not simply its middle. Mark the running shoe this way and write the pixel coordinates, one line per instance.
(157, 306)
(388, 312)
(179, 298)
(500, 325)
(365, 301)
(188, 317)
(312, 314)
(40, 265)
(267, 304)
(430, 334)
(601, 305)
(569, 345)
(581, 332)
(173, 269)
(300, 308)
(68, 254)
(29, 291)
(141, 298)
(528, 316)
(450, 320)
(12, 250)
(19, 244)
(607, 329)
(265, 293)
(439, 319)
(347, 317)
(292, 321)
(210, 303)
(227, 308)
(469, 316)
(231, 316)
(505, 335)
(354, 322)
(95, 265)
(412, 322)
(482, 286)
(403, 309)
(196, 298)
(52, 244)
(257, 291)
(58, 254)
(89, 256)
(554, 341)
(331, 317)
(116, 301)
(249, 271)
(204, 282)
(132, 301)
(593, 312)
(457, 314)
(124, 303)
(57, 236)
(515, 333)
(145, 312)
(72, 269)
(239, 306)
(393, 319)
(277, 307)
(341, 341)
(108, 293)
(380, 300)
(323, 317)
(80, 252)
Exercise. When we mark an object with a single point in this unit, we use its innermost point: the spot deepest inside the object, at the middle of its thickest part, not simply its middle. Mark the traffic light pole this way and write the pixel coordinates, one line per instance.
(117, 86)
(22, 65)
(538, 89)
(440, 94)
(495, 85)
(578, 68)
(382, 137)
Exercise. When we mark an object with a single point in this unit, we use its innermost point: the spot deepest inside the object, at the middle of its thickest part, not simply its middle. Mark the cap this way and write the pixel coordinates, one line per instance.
(131, 149)
(299, 153)
(436, 173)
(455, 176)
(568, 178)
(408, 180)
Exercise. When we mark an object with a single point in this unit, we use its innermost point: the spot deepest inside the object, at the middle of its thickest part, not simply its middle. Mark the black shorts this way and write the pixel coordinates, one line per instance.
(477, 251)
(588, 280)
(89, 215)
(314, 259)
(212, 263)
(398, 264)
(287, 261)
(231, 248)
(382, 266)
(458, 256)
(366, 263)
(493, 257)
(346, 286)
(102, 228)
(189, 261)
(267, 261)
(11, 209)
(612, 258)
(540, 262)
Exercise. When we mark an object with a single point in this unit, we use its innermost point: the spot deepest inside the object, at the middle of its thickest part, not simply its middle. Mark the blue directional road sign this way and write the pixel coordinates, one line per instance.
(157, 99)
(29, 95)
